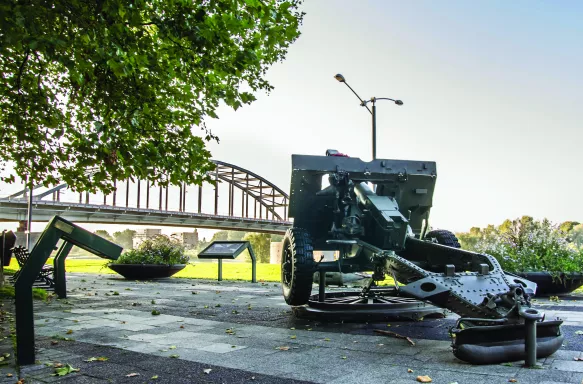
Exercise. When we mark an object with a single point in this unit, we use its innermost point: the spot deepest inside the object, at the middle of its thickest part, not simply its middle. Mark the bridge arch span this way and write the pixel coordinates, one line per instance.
(251, 202)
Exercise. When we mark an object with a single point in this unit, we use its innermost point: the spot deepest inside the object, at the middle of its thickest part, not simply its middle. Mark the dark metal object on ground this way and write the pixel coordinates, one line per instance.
(56, 230)
(379, 305)
(375, 215)
(548, 285)
(8, 241)
(229, 250)
(146, 271)
(494, 344)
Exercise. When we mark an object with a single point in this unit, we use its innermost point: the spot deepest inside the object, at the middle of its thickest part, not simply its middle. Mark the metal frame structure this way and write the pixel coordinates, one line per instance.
(57, 229)
(209, 253)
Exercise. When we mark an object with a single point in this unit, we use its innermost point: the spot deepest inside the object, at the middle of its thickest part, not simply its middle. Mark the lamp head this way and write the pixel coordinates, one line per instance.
(398, 102)
(340, 78)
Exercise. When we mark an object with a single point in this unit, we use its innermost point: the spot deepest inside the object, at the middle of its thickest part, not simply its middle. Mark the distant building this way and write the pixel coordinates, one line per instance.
(144, 234)
(188, 239)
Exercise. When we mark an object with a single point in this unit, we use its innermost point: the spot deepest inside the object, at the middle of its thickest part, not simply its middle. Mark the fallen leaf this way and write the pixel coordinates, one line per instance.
(9, 375)
(174, 356)
(182, 326)
(58, 365)
(424, 379)
(154, 377)
(343, 357)
(409, 370)
(293, 337)
(292, 328)
(69, 331)
(62, 371)
(326, 339)
(207, 371)
(172, 347)
(512, 381)
(284, 348)
(134, 374)
(155, 312)
(101, 358)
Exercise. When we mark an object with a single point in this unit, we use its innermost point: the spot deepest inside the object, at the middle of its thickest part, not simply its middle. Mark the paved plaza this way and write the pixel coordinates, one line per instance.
(200, 331)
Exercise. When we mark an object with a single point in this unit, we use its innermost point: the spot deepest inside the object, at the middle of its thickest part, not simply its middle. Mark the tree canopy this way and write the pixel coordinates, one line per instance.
(94, 91)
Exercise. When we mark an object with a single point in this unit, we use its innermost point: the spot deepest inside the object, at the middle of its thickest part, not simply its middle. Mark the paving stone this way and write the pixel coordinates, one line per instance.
(570, 366)
(221, 348)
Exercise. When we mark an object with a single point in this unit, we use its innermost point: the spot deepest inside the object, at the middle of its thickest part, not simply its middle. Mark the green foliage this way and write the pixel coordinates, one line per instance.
(103, 233)
(97, 91)
(527, 245)
(228, 235)
(7, 291)
(576, 235)
(124, 238)
(260, 242)
(159, 250)
(568, 226)
(276, 238)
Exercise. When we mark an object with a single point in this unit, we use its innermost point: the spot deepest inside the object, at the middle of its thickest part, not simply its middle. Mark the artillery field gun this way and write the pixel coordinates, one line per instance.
(375, 216)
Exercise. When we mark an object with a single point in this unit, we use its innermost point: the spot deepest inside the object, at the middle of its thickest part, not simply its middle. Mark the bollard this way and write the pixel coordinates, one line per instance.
(531, 316)
(322, 287)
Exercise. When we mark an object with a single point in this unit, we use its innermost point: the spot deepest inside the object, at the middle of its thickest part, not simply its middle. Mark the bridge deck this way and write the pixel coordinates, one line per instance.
(16, 209)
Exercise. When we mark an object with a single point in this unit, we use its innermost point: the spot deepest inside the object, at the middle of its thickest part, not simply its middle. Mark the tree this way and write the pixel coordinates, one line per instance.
(125, 238)
(568, 226)
(577, 235)
(228, 236)
(261, 243)
(220, 236)
(276, 238)
(103, 233)
(101, 90)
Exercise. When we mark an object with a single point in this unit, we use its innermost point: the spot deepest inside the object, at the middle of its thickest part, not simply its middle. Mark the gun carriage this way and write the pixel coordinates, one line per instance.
(375, 215)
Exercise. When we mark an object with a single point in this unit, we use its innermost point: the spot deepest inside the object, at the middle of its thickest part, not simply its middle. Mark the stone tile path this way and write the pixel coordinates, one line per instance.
(245, 332)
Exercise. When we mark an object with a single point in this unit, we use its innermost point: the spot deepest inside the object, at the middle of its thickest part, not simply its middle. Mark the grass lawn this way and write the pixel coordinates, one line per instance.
(195, 270)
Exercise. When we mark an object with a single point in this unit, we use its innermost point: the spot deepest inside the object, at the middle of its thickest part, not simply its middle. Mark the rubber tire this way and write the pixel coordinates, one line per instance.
(299, 243)
(444, 237)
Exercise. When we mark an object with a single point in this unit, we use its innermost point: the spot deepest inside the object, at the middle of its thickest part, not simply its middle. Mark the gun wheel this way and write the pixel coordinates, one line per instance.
(378, 304)
(297, 266)
(444, 237)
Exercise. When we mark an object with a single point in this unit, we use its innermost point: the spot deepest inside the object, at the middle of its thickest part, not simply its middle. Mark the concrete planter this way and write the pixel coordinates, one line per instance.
(547, 286)
(146, 271)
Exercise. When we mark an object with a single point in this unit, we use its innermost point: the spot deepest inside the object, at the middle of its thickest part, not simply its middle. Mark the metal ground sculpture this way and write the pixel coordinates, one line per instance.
(375, 215)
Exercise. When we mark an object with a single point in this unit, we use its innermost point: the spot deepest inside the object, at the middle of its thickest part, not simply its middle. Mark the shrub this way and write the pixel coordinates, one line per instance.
(159, 250)
(526, 245)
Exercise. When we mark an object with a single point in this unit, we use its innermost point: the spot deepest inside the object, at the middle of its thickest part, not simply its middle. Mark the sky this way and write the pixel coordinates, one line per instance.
(491, 92)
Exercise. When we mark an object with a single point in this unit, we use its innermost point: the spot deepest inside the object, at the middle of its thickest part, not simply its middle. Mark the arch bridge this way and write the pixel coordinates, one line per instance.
(250, 203)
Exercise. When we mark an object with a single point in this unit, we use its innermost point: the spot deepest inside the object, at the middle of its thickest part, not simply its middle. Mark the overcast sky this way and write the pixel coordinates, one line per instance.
(491, 92)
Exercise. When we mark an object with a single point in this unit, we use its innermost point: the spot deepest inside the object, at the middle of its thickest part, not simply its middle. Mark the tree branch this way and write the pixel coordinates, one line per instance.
(20, 70)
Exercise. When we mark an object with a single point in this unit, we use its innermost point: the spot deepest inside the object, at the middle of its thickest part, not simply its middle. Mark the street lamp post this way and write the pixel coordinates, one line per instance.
(363, 103)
